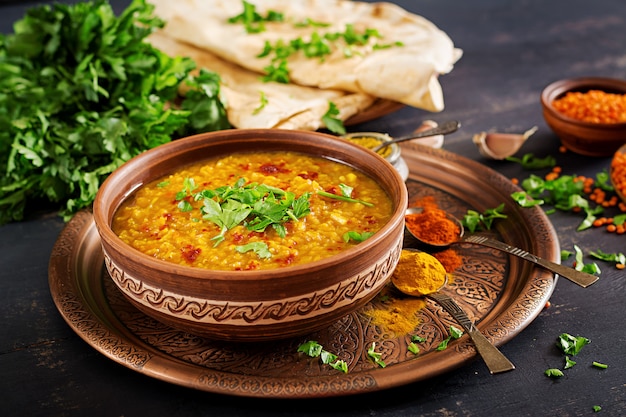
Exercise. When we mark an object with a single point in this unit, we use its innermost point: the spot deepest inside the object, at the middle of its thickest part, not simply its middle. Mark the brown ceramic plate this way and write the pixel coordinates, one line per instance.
(502, 294)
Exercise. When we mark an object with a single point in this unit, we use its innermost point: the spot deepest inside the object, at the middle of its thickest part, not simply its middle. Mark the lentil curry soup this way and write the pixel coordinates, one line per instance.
(311, 208)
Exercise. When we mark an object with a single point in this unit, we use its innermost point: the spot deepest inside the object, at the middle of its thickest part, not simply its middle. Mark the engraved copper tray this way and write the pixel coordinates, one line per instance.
(502, 294)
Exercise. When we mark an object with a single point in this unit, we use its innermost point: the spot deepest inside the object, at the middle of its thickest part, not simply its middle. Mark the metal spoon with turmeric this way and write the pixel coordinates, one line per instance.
(581, 278)
(420, 274)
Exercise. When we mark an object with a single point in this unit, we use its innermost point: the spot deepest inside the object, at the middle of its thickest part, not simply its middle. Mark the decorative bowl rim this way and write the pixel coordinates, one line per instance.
(104, 227)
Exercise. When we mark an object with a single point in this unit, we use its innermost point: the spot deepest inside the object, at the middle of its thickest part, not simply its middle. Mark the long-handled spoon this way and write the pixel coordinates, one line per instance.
(443, 129)
(493, 358)
(579, 277)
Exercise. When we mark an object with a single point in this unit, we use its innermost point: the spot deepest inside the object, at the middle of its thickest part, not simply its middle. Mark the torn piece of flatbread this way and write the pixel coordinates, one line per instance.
(406, 74)
(288, 106)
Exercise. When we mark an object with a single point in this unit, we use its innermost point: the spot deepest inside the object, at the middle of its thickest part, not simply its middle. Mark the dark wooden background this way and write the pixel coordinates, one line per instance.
(512, 49)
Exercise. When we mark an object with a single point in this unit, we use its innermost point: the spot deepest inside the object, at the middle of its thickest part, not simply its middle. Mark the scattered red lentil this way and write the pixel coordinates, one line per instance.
(594, 106)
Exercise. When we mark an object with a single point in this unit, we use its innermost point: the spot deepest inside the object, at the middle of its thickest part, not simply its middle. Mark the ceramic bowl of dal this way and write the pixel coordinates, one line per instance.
(256, 304)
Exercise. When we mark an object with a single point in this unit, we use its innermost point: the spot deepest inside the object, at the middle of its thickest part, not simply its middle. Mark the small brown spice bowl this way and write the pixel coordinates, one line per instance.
(253, 305)
(582, 137)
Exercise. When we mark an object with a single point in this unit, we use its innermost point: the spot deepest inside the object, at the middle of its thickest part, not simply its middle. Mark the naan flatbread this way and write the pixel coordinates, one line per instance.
(406, 74)
(289, 106)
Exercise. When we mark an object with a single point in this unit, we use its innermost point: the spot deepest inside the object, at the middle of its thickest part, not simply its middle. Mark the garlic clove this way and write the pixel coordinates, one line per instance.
(433, 141)
(501, 145)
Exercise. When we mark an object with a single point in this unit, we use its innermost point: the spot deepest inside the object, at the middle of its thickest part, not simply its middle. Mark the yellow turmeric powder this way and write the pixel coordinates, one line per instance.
(396, 315)
(418, 273)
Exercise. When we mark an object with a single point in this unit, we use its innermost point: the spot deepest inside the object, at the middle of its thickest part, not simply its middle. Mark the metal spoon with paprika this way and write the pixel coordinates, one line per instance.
(415, 285)
(578, 277)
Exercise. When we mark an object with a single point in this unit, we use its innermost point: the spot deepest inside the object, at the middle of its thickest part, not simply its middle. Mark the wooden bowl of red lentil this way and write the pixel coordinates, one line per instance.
(588, 114)
(231, 297)
(618, 174)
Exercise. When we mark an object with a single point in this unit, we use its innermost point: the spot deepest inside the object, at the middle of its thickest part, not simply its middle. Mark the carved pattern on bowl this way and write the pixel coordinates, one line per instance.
(199, 310)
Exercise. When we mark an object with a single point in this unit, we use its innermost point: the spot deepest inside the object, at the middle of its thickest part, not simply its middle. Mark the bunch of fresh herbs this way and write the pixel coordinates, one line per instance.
(81, 92)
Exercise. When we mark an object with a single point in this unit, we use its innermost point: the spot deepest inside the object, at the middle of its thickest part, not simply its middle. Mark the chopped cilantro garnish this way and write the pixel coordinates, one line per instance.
(565, 193)
(356, 236)
(592, 268)
(253, 21)
(529, 161)
(554, 373)
(257, 206)
(331, 121)
(311, 348)
(413, 348)
(260, 248)
(455, 333)
(618, 258)
(317, 46)
(375, 356)
(262, 104)
(314, 349)
(346, 195)
(571, 345)
(474, 220)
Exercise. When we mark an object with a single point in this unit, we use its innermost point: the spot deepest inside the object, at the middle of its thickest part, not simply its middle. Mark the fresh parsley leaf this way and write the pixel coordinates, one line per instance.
(253, 21)
(603, 181)
(563, 193)
(314, 349)
(474, 220)
(529, 161)
(375, 356)
(455, 332)
(413, 348)
(331, 121)
(277, 72)
(618, 258)
(580, 265)
(443, 345)
(262, 104)
(327, 357)
(340, 365)
(356, 236)
(619, 219)
(569, 363)
(346, 190)
(524, 200)
(311, 348)
(257, 206)
(418, 339)
(571, 345)
(82, 93)
(344, 198)
(308, 22)
(260, 248)
(554, 373)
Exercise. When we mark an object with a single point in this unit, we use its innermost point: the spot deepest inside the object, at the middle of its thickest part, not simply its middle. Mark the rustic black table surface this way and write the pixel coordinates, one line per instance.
(511, 51)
